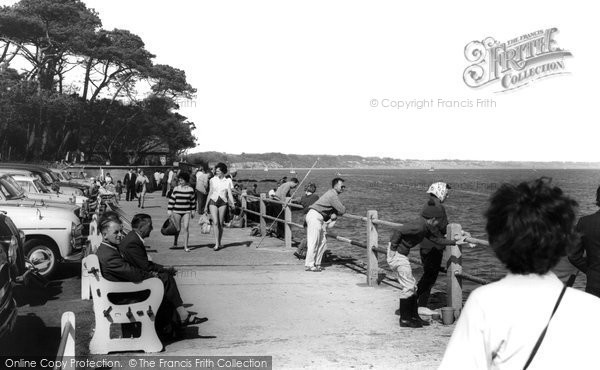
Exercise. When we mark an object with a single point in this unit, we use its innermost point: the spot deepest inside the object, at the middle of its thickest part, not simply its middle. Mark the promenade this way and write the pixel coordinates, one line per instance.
(260, 301)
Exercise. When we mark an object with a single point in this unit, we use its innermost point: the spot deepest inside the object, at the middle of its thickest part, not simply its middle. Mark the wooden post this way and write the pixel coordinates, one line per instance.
(263, 211)
(372, 241)
(287, 211)
(66, 347)
(453, 254)
(244, 208)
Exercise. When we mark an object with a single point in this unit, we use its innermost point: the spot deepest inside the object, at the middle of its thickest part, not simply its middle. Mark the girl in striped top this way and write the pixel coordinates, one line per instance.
(182, 205)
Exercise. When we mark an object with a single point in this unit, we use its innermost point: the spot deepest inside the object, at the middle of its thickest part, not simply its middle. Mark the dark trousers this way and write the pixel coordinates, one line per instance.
(275, 210)
(164, 189)
(431, 259)
(201, 199)
(130, 195)
(171, 291)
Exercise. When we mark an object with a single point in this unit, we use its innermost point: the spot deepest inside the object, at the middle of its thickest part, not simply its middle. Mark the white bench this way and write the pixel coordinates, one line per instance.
(126, 326)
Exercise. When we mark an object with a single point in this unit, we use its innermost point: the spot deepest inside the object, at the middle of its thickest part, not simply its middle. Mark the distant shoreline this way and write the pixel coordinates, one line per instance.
(341, 169)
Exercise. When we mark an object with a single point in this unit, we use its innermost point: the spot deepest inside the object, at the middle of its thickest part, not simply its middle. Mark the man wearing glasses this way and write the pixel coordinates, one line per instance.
(322, 214)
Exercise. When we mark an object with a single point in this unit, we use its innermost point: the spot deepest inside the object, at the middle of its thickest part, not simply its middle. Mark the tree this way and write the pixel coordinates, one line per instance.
(63, 43)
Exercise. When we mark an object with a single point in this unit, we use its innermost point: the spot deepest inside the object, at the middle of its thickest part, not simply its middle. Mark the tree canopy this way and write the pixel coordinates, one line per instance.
(78, 88)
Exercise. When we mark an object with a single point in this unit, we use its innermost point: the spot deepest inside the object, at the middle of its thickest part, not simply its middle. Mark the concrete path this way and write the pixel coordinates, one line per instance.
(261, 302)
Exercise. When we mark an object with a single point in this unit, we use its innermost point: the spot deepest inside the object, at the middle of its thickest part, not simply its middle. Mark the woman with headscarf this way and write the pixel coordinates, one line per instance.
(431, 252)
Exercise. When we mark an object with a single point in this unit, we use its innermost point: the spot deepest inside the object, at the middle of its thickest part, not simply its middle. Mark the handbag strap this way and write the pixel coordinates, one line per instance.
(543, 334)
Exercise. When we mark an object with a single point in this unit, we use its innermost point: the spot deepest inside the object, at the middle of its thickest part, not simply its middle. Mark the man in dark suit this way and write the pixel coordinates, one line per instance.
(133, 250)
(589, 228)
(129, 183)
(112, 264)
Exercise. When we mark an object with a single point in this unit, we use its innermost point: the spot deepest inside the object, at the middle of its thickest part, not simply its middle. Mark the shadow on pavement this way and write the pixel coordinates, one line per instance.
(31, 337)
(38, 296)
(237, 244)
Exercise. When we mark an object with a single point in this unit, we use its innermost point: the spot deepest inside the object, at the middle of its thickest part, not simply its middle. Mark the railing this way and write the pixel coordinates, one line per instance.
(66, 348)
(452, 253)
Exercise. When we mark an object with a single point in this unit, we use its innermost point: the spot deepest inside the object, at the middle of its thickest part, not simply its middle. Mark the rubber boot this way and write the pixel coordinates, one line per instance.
(414, 309)
(406, 319)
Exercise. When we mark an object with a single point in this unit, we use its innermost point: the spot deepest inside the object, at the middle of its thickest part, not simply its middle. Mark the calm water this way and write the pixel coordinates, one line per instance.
(399, 195)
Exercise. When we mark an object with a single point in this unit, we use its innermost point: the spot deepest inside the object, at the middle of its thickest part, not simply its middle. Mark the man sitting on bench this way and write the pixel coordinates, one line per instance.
(133, 250)
(115, 268)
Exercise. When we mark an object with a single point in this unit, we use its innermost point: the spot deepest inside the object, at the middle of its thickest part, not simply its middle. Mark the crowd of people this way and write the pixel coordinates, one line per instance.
(531, 228)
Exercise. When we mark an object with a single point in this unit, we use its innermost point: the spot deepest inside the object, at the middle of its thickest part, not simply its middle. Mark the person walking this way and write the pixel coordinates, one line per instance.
(164, 182)
(170, 181)
(529, 317)
(585, 255)
(156, 176)
(129, 183)
(119, 189)
(141, 184)
(182, 205)
(218, 197)
(202, 179)
(326, 208)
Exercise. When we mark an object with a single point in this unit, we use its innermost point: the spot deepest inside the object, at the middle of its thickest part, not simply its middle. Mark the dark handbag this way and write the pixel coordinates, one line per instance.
(169, 227)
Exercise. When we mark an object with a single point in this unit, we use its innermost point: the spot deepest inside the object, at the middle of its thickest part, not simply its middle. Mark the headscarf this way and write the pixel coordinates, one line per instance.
(439, 189)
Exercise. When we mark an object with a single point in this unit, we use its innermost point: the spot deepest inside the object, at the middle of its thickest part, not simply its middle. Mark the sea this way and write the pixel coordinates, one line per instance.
(398, 195)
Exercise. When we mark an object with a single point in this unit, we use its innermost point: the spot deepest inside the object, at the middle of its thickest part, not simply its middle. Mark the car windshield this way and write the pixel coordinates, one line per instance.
(10, 189)
(46, 179)
(41, 187)
(27, 186)
(53, 176)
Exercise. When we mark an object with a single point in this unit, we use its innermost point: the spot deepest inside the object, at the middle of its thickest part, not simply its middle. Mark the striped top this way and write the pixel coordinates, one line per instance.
(182, 200)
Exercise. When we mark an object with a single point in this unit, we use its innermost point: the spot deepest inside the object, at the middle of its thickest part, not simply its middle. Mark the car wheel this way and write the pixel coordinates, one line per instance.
(42, 255)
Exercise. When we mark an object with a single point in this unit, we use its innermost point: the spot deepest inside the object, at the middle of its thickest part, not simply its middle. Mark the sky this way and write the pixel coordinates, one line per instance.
(333, 77)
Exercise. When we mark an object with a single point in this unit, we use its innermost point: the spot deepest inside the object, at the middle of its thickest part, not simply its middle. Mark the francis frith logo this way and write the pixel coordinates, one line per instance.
(516, 62)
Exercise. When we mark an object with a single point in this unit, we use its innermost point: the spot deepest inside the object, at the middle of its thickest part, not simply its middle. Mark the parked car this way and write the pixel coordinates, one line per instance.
(35, 189)
(44, 175)
(12, 241)
(53, 231)
(65, 176)
(8, 307)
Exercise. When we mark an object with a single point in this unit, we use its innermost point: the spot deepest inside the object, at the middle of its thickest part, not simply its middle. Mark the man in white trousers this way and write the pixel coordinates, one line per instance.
(321, 214)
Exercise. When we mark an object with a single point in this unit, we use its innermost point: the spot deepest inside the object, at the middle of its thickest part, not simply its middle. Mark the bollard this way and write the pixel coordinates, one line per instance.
(288, 218)
(453, 255)
(66, 347)
(372, 241)
(263, 211)
(244, 208)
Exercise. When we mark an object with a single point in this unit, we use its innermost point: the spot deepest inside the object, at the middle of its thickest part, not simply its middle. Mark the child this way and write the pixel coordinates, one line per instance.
(119, 189)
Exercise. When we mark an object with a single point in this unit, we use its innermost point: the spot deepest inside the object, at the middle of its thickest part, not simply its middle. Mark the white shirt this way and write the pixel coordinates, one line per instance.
(170, 178)
(502, 321)
(219, 188)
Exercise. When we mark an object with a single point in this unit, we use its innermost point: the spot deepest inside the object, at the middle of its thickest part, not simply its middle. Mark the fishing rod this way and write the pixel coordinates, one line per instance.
(288, 201)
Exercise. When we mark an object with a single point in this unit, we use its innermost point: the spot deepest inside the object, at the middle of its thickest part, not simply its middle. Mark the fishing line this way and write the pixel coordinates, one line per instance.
(288, 202)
